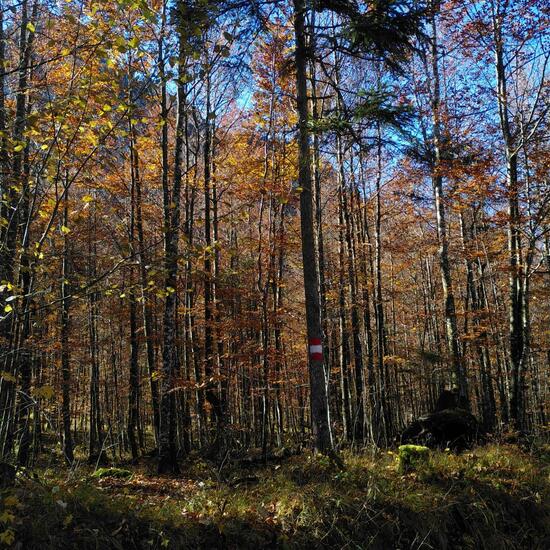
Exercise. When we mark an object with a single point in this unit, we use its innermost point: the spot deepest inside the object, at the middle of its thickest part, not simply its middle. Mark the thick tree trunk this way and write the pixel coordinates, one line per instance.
(318, 383)
(171, 202)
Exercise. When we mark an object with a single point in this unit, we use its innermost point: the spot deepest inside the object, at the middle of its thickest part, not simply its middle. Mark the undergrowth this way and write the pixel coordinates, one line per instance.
(492, 497)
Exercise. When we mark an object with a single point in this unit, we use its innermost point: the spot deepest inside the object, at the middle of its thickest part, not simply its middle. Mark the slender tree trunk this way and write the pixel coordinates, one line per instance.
(343, 342)
(451, 326)
(359, 414)
(7, 204)
(133, 394)
(210, 389)
(146, 312)
(65, 328)
(516, 287)
(96, 439)
(379, 302)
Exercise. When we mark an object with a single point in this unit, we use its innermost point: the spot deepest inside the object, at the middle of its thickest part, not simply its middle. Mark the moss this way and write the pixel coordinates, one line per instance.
(119, 473)
(412, 456)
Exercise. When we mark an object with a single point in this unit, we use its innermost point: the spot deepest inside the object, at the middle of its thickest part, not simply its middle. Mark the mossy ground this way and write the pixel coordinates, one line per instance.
(492, 497)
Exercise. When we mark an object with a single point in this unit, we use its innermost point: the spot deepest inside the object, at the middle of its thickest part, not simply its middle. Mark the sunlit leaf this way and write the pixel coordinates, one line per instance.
(7, 376)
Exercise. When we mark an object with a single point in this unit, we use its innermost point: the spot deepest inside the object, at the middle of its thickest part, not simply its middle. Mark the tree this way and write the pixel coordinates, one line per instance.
(318, 384)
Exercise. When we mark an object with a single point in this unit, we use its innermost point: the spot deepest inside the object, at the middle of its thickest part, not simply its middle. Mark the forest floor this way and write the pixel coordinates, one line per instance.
(494, 497)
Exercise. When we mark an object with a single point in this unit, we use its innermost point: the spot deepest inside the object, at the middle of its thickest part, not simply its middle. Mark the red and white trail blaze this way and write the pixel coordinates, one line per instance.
(315, 349)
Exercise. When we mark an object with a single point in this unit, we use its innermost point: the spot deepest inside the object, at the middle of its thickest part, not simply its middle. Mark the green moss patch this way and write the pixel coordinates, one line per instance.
(412, 456)
(119, 473)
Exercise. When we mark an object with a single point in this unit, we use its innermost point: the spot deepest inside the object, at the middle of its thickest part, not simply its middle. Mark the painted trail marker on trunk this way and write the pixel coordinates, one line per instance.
(315, 349)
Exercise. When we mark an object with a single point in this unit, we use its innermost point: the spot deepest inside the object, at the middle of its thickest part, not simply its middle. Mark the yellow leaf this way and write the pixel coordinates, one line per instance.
(8, 308)
(8, 377)
(106, 108)
(65, 229)
(6, 517)
(67, 520)
(18, 148)
(10, 501)
(30, 27)
(7, 537)
(87, 198)
(47, 392)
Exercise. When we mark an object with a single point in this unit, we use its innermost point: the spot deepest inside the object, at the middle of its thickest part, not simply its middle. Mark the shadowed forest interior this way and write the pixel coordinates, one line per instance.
(250, 238)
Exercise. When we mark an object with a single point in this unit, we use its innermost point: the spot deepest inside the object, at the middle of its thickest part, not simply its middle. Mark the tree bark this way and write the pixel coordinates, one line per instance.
(318, 383)
(171, 203)
(65, 350)
(516, 283)
(451, 326)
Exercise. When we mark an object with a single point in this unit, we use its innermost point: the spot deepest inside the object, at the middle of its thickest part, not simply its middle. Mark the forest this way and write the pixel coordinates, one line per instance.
(274, 274)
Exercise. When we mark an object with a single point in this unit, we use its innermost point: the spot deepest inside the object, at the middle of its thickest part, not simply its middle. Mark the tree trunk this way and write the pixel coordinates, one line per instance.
(171, 203)
(133, 393)
(147, 314)
(451, 326)
(318, 383)
(65, 353)
(516, 286)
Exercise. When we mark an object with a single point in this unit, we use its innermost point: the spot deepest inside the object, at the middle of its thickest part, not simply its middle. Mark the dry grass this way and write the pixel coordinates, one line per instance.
(492, 497)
